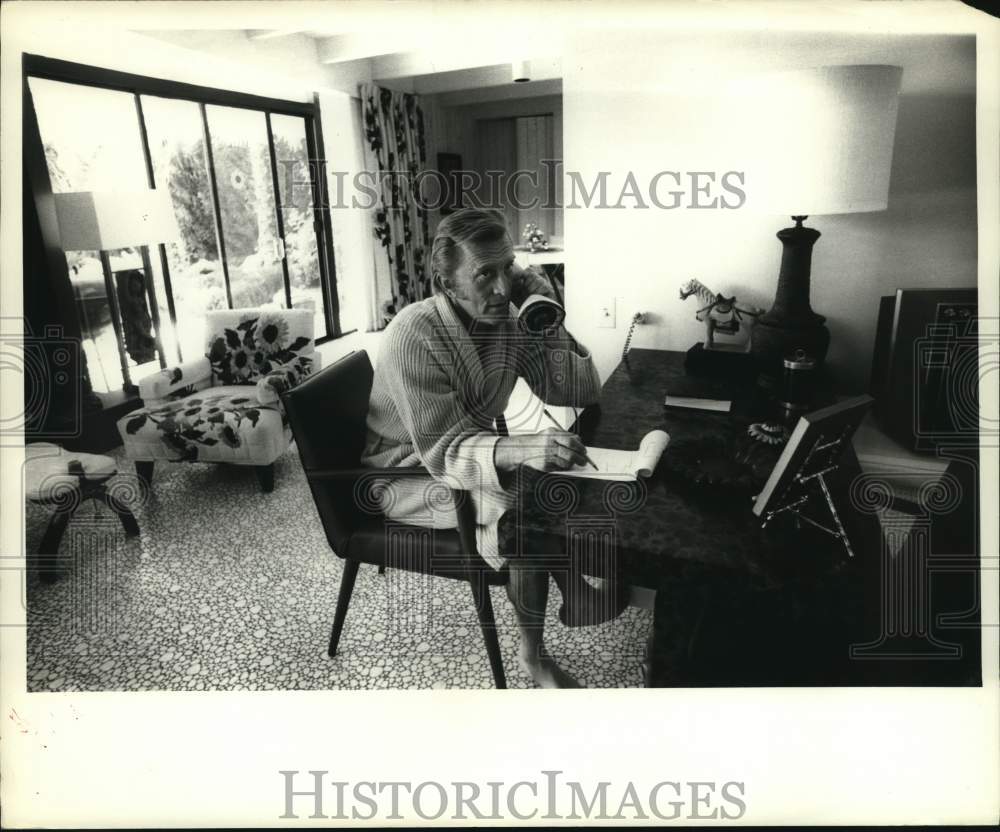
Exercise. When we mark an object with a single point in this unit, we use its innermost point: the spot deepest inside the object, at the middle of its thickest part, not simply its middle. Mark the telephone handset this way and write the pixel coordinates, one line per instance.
(535, 311)
(539, 313)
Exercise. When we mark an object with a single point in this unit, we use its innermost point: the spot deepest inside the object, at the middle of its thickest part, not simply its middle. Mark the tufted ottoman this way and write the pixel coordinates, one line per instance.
(62, 480)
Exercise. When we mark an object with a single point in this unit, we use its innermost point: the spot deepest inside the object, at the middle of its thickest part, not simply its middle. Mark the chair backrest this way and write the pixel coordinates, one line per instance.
(327, 414)
(245, 344)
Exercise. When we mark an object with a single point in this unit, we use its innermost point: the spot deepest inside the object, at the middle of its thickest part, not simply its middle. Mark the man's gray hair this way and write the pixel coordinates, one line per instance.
(467, 225)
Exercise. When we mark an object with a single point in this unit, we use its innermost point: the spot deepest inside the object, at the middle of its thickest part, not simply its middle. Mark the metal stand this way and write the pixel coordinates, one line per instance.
(154, 307)
(111, 290)
(802, 490)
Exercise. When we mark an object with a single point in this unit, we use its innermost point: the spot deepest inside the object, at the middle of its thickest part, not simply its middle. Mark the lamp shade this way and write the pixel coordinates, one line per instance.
(818, 141)
(109, 220)
(520, 72)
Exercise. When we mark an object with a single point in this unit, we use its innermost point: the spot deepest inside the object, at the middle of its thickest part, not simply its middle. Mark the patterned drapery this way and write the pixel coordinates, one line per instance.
(394, 146)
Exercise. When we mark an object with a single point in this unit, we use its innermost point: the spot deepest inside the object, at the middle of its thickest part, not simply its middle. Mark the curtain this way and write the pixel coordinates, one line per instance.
(497, 146)
(395, 148)
(535, 143)
(523, 143)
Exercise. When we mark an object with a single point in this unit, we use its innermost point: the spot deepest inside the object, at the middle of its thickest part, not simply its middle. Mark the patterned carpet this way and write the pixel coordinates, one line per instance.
(228, 588)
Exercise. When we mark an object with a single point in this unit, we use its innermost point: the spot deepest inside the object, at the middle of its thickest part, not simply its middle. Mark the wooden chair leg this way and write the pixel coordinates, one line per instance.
(48, 550)
(265, 475)
(488, 624)
(123, 511)
(381, 569)
(480, 589)
(343, 600)
(144, 470)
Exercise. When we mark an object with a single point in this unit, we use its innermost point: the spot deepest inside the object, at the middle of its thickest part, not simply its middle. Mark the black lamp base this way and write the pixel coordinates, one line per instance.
(790, 324)
(773, 342)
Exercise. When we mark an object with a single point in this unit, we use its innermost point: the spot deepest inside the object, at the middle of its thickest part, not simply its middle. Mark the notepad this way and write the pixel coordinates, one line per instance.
(624, 466)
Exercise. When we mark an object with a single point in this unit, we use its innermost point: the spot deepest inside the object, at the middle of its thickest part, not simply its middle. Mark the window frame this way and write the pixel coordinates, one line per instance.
(55, 69)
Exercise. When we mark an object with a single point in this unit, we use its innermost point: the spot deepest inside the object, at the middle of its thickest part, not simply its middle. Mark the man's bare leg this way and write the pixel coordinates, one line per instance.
(585, 604)
(528, 590)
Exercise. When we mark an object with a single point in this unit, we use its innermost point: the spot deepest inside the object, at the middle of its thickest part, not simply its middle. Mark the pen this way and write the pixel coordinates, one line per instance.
(552, 419)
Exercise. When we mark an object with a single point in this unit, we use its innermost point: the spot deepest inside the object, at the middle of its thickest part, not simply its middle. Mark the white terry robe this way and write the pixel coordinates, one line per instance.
(434, 400)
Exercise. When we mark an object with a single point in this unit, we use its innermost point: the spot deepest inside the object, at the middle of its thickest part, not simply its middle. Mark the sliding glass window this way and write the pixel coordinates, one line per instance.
(177, 150)
(82, 158)
(242, 180)
(300, 221)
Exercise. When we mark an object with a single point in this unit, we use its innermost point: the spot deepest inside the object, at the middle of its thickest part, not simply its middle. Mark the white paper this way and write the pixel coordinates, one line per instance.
(698, 404)
(624, 466)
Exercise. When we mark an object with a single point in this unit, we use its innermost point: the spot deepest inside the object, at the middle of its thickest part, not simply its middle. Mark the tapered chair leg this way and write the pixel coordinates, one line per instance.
(123, 511)
(144, 471)
(54, 532)
(343, 600)
(488, 624)
(265, 475)
(48, 568)
(480, 589)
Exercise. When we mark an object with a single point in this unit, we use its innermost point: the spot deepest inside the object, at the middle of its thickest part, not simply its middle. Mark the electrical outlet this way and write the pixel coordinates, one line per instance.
(605, 312)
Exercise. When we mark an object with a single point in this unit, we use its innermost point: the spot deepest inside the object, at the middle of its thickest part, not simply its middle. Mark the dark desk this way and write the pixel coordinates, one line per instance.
(735, 605)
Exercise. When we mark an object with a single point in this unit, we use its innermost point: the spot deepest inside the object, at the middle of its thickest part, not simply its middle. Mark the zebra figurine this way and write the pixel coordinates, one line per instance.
(720, 314)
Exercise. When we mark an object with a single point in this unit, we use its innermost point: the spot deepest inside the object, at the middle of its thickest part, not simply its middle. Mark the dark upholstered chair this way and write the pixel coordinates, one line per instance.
(327, 415)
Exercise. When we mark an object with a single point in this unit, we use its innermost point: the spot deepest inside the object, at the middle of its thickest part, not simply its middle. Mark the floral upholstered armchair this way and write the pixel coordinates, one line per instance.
(226, 405)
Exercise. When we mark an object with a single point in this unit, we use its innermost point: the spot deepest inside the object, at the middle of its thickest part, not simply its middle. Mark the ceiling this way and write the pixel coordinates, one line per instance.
(427, 58)
(455, 60)
(423, 58)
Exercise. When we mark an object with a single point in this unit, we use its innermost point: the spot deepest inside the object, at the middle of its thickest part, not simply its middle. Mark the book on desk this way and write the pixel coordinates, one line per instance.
(700, 394)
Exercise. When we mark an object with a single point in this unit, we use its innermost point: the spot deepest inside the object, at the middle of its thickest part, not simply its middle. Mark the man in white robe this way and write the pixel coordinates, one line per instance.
(445, 371)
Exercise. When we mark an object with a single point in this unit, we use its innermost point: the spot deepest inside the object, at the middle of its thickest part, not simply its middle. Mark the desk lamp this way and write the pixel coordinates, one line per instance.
(820, 142)
(111, 220)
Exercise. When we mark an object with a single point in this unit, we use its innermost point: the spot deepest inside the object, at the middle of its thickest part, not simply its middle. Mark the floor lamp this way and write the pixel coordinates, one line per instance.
(821, 143)
(112, 220)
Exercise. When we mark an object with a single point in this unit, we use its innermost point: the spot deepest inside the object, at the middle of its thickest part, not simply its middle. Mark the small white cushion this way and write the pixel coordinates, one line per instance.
(46, 469)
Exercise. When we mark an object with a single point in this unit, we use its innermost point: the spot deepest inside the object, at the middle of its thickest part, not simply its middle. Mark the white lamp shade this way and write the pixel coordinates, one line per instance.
(105, 221)
(520, 72)
(818, 141)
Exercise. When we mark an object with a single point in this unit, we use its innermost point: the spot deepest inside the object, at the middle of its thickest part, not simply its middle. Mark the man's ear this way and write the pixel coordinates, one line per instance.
(443, 285)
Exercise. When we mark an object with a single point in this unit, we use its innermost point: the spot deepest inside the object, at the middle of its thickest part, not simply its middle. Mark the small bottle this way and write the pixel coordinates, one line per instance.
(798, 383)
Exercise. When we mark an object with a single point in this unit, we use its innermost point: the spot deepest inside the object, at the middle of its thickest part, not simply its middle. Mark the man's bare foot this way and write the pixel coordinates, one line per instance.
(544, 671)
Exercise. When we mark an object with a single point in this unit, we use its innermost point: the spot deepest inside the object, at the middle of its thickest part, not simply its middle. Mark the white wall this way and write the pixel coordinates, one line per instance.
(352, 237)
(648, 101)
